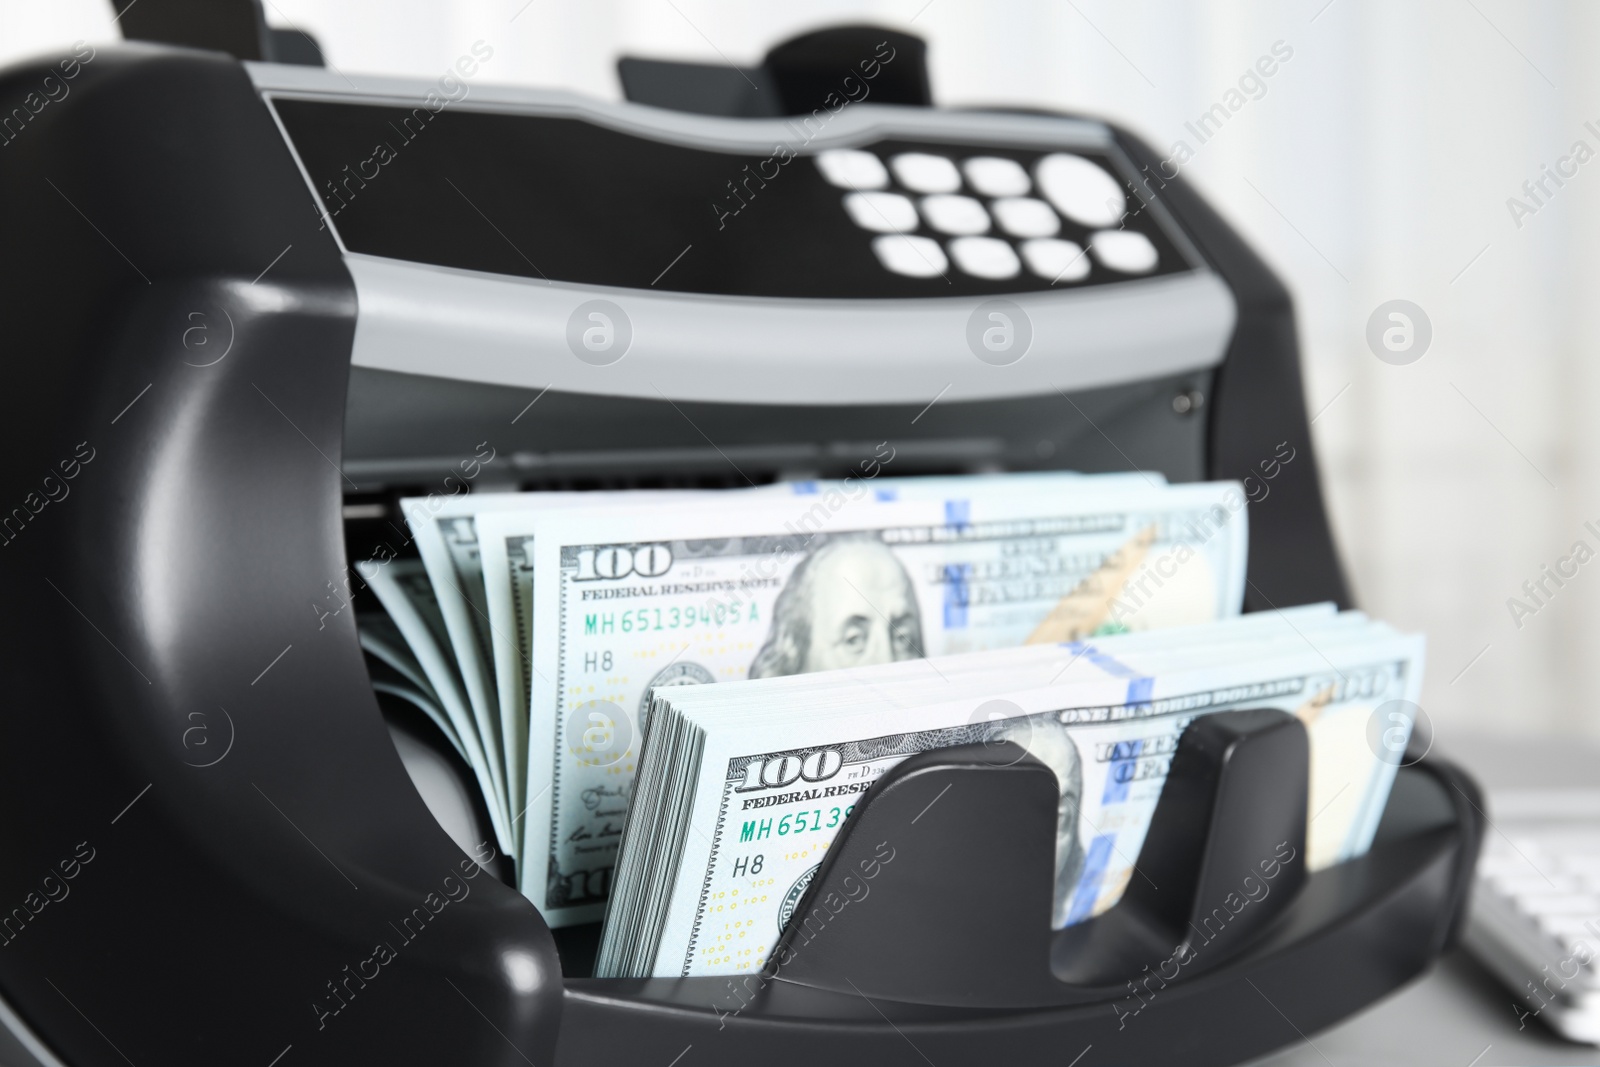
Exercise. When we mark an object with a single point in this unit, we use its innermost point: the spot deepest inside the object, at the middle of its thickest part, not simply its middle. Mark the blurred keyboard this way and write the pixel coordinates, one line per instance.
(1535, 916)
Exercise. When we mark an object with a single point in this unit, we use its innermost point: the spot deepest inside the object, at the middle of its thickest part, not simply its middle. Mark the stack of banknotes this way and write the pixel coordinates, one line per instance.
(744, 786)
(562, 643)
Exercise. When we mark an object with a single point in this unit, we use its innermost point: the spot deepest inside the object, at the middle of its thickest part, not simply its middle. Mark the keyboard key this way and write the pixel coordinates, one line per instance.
(993, 176)
(955, 214)
(1023, 216)
(985, 257)
(924, 173)
(881, 212)
(1081, 190)
(1505, 864)
(1060, 261)
(1522, 884)
(1573, 926)
(913, 256)
(1581, 905)
(851, 168)
(1124, 250)
(1569, 841)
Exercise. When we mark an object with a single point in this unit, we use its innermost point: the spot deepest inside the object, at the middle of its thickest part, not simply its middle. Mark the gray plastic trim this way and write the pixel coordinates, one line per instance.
(421, 319)
(18, 1040)
(850, 125)
(499, 329)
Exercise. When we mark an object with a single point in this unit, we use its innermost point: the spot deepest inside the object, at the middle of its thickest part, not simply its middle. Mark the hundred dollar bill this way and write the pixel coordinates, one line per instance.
(478, 550)
(904, 685)
(491, 648)
(627, 603)
(395, 670)
(491, 645)
(489, 662)
(445, 529)
(403, 588)
(729, 838)
(390, 682)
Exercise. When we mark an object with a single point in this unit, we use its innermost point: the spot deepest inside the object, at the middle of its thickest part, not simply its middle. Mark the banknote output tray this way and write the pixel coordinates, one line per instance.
(201, 436)
(944, 949)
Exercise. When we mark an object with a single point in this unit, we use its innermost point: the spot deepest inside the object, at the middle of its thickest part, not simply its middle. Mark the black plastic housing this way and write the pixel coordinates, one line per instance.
(181, 714)
(174, 702)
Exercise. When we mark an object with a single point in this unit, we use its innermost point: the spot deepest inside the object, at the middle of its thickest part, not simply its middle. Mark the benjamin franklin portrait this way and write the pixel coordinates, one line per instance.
(1047, 741)
(849, 603)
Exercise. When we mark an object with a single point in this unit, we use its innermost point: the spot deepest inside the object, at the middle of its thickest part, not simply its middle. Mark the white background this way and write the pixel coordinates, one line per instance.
(1377, 165)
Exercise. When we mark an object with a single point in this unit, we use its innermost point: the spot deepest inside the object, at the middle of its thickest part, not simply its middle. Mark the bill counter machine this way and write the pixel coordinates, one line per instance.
(248, 305)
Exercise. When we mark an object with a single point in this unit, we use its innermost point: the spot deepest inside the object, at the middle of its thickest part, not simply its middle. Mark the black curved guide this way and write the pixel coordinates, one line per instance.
(178, 341)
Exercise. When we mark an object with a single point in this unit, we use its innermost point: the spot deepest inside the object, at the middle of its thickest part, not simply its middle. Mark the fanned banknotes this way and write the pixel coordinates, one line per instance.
(402, 587)
(742, 787)
(539, 624)
(477, 596)
(626, 602)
